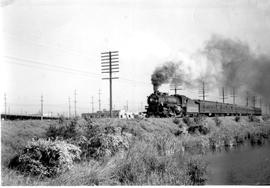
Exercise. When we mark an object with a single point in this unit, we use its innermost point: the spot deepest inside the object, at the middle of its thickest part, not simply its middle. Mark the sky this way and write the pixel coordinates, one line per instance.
(52, 47)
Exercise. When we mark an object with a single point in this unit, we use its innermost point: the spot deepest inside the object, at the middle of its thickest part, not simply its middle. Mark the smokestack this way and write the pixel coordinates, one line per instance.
(155, 88)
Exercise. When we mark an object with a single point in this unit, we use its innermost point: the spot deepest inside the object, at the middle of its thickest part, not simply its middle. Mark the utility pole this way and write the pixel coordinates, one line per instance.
(254, 101)
(99, 101)
(203, 91)
(41, 110)
(233, 95)
(68, 107)
(127, 105)
(223, 95)
(110, 65)
(5, 98)
(247, 97)
(75, 101)
(175, 88)
(92, 104)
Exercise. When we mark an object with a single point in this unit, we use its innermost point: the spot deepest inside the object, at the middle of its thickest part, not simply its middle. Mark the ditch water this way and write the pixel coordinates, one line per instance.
(243, 165)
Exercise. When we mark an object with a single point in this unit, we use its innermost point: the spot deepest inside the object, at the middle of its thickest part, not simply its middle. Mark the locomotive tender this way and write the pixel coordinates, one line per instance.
(164, 105)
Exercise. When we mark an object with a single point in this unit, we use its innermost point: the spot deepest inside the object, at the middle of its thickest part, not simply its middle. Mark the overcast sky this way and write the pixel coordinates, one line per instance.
(52, 47)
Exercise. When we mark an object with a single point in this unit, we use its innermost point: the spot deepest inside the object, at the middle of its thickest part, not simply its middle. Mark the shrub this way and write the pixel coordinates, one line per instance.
(187, 121)
(45, 158)
(65, 129)
(237, 118)
(176, 121)
(198, 129)
(217, 121)
(98, 144)
(253, 118)
(198, 119)
(181, 125)
(265, 117)
(196, 169)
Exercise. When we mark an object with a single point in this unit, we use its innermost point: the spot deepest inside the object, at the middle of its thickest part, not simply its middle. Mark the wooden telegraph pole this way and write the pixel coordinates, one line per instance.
(223, 95)
(41, 111)
(175, 88)
(233, 95)
(203, 91)
(75, 102)
(5, 98)
(92, 104)
(69, 107)
(99, 101)
(247, 97)
(110, 65)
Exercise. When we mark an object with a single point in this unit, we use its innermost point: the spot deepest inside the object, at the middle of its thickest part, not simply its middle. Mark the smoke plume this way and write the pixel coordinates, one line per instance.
(168, 73)
(239, 66)
(222, 62)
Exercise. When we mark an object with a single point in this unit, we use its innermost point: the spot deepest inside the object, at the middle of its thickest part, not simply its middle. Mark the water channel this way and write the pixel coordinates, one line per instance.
(244, 165)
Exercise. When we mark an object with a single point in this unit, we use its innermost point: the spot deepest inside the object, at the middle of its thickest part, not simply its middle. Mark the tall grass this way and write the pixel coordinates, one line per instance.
(156, 151)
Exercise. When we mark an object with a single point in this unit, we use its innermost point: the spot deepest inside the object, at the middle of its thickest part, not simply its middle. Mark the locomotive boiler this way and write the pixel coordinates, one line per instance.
(165, 105)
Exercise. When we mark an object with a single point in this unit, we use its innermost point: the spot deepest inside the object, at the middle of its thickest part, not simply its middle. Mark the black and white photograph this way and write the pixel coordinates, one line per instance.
(135, 92)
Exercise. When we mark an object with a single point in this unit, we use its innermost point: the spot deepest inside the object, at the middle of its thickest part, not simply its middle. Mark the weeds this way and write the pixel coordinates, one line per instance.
(152, 164)
(196, 169)
(253, 118)
(176, 121)
(237, 118)
(130, 152)
(187, 121)
(217, 121)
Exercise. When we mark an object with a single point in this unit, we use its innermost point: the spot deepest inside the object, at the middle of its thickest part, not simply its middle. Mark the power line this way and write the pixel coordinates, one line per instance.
(64, 69)
(52, 46)
(50, 65)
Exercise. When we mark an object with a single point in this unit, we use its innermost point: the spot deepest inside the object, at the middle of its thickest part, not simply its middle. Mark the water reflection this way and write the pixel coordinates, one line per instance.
(242, 165)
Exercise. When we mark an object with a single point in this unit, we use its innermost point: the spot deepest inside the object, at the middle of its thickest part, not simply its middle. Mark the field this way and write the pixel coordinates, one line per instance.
(127, 152)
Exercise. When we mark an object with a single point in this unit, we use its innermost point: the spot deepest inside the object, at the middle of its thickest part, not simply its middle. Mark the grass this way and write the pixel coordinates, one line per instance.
(160, 151)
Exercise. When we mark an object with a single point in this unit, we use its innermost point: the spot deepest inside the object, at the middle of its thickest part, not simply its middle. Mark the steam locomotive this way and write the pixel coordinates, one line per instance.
(164, 105)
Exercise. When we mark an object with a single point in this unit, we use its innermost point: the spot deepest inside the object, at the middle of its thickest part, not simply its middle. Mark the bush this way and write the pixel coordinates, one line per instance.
(217, 121)
(66, 129)
(196, 169)
(45, 158)
(237, 118)
(198, 129)
(198, 119)
(265, 117)
(187, 121)
(253, 118)
(176, 121)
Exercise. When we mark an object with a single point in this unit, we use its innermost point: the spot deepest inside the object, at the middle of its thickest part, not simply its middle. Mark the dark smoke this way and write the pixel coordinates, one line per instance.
(170, 72)
(240, 67)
